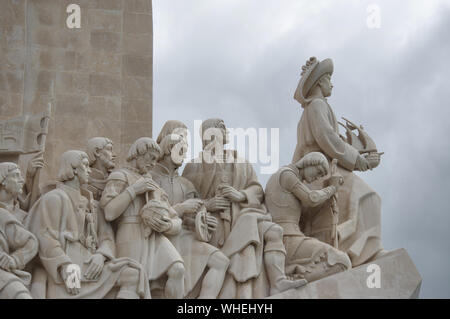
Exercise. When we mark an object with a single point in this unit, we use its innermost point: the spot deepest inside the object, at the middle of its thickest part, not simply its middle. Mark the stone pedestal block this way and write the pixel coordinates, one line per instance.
(399, 279)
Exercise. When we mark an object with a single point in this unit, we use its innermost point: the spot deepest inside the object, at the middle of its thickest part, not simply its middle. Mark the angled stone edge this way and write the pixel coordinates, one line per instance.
(399, 279)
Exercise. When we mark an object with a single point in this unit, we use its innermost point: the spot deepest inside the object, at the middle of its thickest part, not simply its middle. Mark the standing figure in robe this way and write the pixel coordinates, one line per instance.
(17, 245)
(76, 245)
(128, 190)
(359, 232)
(102, 162)
(246, 233)
(200, 257)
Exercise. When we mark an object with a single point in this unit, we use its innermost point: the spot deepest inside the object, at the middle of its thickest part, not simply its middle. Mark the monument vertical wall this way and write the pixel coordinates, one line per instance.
(101, 72)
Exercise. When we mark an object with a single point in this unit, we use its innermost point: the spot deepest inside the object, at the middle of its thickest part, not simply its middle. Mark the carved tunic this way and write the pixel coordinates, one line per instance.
(359, 205)
(240, 233)
(63, 222)
(195, 253)
(97, 183)
(18, 243)
(286, 198)
(155, 252)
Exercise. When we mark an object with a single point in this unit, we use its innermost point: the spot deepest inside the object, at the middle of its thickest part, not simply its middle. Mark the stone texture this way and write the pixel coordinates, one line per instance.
(399, 279)
(95, 73)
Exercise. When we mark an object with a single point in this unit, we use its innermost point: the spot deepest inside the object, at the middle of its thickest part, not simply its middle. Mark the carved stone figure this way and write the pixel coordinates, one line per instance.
(358, 229)
(286, 197)
(102, 162)
(17, 245)
(72, 235)
(199, 257)
(124, 200)
(245, 232)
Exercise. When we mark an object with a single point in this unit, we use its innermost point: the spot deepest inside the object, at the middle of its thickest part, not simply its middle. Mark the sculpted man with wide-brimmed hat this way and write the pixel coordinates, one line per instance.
(358, 229)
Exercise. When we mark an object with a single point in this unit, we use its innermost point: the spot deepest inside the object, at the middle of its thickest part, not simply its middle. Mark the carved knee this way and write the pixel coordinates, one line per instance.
(274, 234)
(219, 261)
(274, 240)
(176, 270)
(16, 290)
(129, 276)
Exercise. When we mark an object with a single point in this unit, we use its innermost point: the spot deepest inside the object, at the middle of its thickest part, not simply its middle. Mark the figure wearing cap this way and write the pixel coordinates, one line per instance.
(359, 232)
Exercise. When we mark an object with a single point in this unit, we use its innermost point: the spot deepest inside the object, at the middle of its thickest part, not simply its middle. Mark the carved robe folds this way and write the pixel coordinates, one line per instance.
(240, 235)
(195, 253)
(63, 224)
(155, 252)
(359, 205)
(306, 257)
(22, 246)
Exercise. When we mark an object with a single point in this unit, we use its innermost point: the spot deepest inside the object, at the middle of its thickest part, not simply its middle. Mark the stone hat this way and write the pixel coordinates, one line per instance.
(312, 71)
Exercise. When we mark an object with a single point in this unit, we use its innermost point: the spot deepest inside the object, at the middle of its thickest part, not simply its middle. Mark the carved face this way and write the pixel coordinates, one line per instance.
(13, 183)
(145, 162)
(178, 152)
(312, 173)
(107, 157)
(218, 134)
(83, 171)
(325, 85)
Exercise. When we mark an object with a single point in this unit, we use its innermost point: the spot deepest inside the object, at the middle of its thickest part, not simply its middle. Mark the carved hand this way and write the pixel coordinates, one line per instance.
(191, 205)
(233, 194)
(144, 185)
(217, 203)
(64, 275)
(7, 262)
(212, 222)
(373, 159)
(37, 161)
(361, 164)
(160, 223)
(96, 263)
(336, 181)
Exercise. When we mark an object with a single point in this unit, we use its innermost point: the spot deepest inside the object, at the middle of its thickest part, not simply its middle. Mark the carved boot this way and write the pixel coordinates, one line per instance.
(324, 264)
(274, 262)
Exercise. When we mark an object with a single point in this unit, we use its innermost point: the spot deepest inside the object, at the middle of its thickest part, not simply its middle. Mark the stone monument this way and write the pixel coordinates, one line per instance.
(104, 212)
(99, 76)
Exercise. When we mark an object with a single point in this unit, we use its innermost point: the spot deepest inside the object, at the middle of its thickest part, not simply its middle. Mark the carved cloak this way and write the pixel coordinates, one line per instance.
(359, 205)
(58, 220)
(244, 245)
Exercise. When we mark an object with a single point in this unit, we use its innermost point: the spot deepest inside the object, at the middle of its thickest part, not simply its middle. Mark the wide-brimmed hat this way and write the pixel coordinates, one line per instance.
(312, 71)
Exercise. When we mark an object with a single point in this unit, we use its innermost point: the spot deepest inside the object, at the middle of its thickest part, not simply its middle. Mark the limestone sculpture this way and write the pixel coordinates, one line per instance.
(17, 245)
(358, 229)
(199, 256)
(245, 234)
(102, 162)
(125, 196)
(286, 197)
(145, 231)
(73, 235)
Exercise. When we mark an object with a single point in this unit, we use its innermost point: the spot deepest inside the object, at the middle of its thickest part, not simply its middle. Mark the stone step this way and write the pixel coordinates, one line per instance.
(399, 279)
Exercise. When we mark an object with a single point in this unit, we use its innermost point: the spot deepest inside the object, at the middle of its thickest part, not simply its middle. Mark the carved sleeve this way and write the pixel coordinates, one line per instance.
(326, 136)
(176, 223)
(115, 198)
(49, 231)
(113, 188)
(23, 244)
(309, 198)
(106, 243)
(253, 190)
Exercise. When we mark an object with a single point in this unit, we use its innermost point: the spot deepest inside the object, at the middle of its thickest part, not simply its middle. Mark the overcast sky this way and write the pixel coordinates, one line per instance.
(240, 60)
